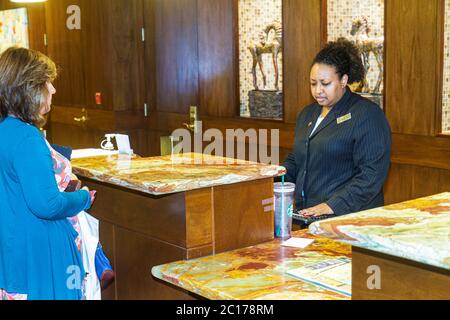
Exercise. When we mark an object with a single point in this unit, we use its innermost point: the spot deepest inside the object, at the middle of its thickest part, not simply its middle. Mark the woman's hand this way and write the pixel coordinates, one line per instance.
(92, 194)
(319, 210)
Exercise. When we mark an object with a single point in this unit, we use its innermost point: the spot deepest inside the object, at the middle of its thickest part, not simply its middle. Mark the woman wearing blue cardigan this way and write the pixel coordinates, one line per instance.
(39, 259)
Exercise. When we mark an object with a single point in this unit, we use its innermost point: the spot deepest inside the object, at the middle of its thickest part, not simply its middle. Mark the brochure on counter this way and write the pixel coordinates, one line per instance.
(334, 274)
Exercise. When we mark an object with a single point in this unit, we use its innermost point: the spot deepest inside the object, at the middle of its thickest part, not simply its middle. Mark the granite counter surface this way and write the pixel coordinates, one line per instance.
(418, 230)
(256, 273)
(172, 174)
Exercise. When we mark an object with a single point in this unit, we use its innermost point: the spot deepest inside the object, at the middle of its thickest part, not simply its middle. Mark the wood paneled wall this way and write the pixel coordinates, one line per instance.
(411, 68)
(66, 48)
(106, 56)
(97, 53)
(190, 58)
(218, 66)
(197, 55)
(414, 49)
(176, 55)
(126, 23)
(303, 31)
(151, 45)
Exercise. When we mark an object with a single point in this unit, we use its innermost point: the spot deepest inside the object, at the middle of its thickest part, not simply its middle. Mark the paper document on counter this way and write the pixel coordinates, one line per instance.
(85, 153)
(297, 243)
(335, 274)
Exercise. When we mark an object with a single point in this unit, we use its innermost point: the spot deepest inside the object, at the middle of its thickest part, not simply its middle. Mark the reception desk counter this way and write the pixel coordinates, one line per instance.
(400, 251)
(157, 210)
(256, 273)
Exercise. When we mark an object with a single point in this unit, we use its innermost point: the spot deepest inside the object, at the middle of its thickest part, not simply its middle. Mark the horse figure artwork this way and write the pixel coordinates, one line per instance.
(271, 46)
(360, 30)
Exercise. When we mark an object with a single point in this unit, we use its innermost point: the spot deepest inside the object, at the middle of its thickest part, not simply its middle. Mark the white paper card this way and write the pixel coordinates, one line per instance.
(85, 153)
(123, 143)
(297, 242)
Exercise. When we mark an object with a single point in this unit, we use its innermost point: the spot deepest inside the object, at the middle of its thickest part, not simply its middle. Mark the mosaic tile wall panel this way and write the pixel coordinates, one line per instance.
(341, 14)
(254, 16)
(13, 28)
(446, 83)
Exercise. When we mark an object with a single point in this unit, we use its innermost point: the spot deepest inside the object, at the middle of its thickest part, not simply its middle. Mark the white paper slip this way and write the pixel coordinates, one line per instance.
(297, 242)
(123, 144)
(85, 153)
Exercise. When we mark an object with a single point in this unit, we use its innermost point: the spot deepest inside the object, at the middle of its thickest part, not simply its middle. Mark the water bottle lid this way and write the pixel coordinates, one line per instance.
(288, 187)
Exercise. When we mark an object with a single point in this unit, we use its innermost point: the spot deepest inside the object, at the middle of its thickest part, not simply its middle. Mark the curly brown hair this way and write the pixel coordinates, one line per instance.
(24, 74)
(345, 57)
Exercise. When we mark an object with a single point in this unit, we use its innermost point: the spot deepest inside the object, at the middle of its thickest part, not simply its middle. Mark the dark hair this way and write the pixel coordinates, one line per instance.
(24, 75)
(345, 57)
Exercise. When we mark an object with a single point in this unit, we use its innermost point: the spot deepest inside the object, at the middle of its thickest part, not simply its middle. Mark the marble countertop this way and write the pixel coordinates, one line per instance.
(171, 174)
(257, 272)
(417, 230)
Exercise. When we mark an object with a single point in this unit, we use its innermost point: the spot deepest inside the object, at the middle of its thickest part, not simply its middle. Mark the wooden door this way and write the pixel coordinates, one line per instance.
(66, 49)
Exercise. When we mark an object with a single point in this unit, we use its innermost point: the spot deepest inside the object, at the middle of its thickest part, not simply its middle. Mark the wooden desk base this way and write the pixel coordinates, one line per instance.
(401, 279)
(139, 231)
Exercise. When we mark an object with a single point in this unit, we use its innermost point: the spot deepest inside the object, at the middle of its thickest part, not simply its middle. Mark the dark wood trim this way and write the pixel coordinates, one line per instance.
(424, 151)
(261, 119)
(400, 278)
(384, 61)
(283, 65)
(324, 25)
(199, 81)
(401, 260)
(98, 119)
(150, 56)
(168, 122)
(440, 65)
(236, 58)
(443, 135)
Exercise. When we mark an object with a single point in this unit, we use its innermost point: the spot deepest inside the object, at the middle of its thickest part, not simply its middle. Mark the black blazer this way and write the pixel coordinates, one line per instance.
(346, 161)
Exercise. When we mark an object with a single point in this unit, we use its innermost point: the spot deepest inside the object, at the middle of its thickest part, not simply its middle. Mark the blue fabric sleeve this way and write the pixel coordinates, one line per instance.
(34, 168)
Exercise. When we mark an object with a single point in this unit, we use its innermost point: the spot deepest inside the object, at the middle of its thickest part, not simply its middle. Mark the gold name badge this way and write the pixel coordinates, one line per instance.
(344, 118)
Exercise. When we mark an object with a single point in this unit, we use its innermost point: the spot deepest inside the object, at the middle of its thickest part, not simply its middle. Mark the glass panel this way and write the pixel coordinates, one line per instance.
(362, 21)
(446, 82)
(261, 76)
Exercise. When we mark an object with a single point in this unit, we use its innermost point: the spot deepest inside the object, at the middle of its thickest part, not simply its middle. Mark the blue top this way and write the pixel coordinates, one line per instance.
(38, 254)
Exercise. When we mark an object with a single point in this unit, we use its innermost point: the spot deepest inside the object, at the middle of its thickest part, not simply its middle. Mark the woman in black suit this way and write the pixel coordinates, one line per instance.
(342, 143)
